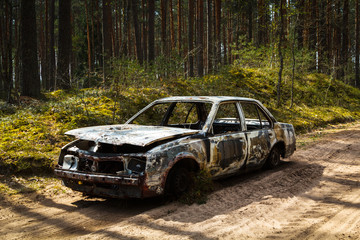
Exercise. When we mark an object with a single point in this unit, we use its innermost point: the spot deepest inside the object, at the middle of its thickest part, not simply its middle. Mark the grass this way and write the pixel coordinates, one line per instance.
(27, 184)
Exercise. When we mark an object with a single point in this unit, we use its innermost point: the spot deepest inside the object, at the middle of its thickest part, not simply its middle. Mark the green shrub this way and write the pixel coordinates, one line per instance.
(201, 188)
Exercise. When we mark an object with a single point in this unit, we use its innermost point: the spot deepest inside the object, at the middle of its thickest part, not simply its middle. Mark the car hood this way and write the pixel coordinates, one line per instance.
(129, 134)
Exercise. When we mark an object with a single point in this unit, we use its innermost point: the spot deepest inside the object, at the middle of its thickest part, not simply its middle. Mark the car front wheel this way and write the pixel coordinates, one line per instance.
(180, 181)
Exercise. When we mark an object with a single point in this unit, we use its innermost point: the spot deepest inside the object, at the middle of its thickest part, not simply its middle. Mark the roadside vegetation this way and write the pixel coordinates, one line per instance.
(32, 132)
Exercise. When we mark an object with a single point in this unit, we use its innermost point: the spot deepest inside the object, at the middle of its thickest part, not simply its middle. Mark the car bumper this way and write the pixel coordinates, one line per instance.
(129, 186)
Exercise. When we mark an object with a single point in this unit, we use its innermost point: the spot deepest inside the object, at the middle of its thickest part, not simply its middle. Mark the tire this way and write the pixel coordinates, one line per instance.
(180, 181)
(273, 159)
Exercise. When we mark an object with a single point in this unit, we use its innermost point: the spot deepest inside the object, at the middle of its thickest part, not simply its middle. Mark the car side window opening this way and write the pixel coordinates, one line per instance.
(255, 118)
(227, 119)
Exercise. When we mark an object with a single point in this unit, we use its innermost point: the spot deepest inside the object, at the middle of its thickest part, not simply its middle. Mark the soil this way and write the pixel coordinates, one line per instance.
(315, 194)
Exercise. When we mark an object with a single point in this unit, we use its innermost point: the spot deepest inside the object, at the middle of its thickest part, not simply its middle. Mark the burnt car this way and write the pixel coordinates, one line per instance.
(156, 150)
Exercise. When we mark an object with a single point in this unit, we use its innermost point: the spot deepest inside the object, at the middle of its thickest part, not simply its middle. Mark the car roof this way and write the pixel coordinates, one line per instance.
(214, 99)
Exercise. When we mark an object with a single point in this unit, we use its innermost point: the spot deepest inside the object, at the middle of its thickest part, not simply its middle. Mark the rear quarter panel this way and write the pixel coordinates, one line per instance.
(285, 132)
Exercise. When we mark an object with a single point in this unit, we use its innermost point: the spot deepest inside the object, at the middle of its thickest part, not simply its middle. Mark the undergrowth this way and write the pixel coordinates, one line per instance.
(202, 186)
(33, 133)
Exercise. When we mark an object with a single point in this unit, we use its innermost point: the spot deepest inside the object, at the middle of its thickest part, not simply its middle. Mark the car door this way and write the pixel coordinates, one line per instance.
(259, 133)
(227, 141)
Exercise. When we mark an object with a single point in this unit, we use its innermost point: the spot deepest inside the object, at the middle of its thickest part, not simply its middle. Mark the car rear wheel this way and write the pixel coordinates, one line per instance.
(274, 158)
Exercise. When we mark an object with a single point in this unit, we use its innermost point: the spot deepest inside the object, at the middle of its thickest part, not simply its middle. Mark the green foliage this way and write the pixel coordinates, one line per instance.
(201, 188)
(249, 55)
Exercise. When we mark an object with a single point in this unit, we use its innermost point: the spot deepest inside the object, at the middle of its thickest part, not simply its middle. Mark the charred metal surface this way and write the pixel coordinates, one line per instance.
(128, 134)
(259, 148)
(106, 190)
(134, 161)
(98, 178)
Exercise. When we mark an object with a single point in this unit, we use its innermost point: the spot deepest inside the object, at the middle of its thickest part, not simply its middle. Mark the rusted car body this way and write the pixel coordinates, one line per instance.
(154, 151)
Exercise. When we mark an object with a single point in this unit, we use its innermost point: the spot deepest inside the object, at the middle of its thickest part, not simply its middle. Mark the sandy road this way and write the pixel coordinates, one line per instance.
(313, 195)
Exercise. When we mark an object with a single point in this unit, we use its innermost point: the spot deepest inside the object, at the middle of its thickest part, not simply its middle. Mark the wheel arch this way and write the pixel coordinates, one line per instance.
(281, 146)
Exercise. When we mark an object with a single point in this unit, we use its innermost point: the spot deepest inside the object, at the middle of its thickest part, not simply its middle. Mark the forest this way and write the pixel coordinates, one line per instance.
(68, 64)
(48, 45)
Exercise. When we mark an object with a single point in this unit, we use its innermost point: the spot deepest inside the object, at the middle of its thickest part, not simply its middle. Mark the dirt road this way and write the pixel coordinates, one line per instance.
(313, 195)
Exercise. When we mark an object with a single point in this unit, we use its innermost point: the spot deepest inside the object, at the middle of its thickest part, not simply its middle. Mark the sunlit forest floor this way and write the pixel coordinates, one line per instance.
(32, 132)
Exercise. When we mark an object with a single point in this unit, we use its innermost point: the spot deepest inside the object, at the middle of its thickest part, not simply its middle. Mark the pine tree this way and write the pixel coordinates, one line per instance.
(30, 79)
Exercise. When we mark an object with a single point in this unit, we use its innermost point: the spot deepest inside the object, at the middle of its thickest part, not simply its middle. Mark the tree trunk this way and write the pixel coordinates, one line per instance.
(281, 58)
(293, 63)
(64, 54)
(163, 10)
(47, 80)
(306, 23)
(116, 29)
(300, 6)
(312, 27)
(97, 41)
(217, 30)
(191, 37)
(179, 27)
(128, 29)
(17, 50)
(5, 60)
(337, 39)
(345, 39)
(2, 60)
(51, 58)
(89, 58)
(209, 36)
(229, 36)
(357, 42)
(29, 71)
(119, 33)
(88, 37)
(9, 49)
(250, 23)
(262, 22)
(134, 6)
(42, 48)
(151, 28)
(172, 30)
(224, 45)
(321, 37)
(329, 35)
(107, 29)
(199, 38)
(144, 31)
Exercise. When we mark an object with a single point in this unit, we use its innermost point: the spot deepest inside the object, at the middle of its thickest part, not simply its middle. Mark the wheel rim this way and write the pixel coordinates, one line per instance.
(180, 182)
(275, 157)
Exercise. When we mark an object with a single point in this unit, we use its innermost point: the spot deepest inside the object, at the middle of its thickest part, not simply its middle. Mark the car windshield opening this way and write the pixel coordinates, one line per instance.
(191, 115)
